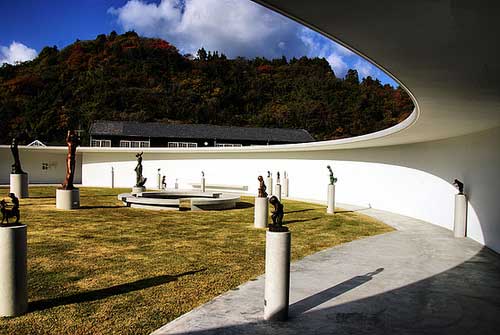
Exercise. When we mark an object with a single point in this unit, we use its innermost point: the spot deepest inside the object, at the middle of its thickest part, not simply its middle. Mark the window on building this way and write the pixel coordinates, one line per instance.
(45, 166)
(135, 144)
(182, 145)
(100, 143)
(228, 145)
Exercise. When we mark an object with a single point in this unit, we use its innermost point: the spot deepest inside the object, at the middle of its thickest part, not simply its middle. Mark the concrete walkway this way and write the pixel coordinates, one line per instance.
(417, 280)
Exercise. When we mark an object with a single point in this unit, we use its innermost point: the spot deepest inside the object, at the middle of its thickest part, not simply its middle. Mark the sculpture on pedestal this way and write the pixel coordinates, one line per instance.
(262, 188)
(277, 216)
(202, 174)
(459, 185)
(277, 177)
(333, 180)
(268, 174)
(139, 179)
(10, 212)
(16, 167)
(73, 141)
(163, 183)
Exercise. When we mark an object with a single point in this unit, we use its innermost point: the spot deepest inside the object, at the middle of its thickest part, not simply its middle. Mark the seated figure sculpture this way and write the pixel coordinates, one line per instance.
(277, 216)
(12, 212)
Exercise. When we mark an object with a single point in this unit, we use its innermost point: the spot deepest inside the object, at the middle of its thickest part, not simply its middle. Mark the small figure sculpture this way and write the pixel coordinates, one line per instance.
(277, 216)
(458, 184)
(139, 180)
(163, 183)
(202, 174)
(10, 213)
(16, 167)
(277, 177)
(268, 174)
(333, 180)
(262, 188)
(73, 141)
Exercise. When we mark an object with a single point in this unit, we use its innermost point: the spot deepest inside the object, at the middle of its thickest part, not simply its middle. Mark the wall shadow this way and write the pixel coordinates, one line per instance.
(40, 305)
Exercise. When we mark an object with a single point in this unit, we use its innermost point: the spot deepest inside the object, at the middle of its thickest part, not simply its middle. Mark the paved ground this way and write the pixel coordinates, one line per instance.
(417, 280)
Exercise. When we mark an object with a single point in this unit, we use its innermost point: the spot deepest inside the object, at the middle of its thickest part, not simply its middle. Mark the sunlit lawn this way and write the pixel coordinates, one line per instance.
(108, 269)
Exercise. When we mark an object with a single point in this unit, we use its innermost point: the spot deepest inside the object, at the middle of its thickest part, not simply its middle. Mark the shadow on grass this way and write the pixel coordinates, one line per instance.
(243, 205)
(97, 207)
(354, 210)
(41, 305)
(42, 197)
(298, 221)
(301, 210)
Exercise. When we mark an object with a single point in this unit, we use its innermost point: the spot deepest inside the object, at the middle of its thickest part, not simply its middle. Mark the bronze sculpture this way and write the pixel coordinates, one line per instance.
(73, 141)
(458, 184)
(163, 183)
(277, 177)
(10, 213)
(139, 180)
(333, 180)
(277, 216)
(268, 174)
(16, 167)
(262, 188)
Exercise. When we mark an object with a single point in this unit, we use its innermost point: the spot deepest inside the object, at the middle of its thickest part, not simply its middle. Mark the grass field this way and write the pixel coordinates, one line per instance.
(108, 269)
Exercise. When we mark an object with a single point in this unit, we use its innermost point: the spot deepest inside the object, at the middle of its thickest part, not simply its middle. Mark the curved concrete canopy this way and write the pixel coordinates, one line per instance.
(444, 52)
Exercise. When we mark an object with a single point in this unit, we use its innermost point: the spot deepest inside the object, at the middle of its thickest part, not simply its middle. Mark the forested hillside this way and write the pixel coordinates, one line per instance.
(127, 77)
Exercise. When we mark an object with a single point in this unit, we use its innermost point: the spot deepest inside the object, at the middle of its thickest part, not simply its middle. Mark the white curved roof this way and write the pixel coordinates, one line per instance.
(445, 53)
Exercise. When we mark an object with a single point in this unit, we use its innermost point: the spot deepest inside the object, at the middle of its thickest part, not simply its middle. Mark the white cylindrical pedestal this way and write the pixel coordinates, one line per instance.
(159, 181)
(202, 184)
(277, 192)
(138, 189)
(261, 212)
(331, 199)
(176, 185)
(269, 184)
(19, 185)
(277, 282)
(68, 199)
(13, 270)
(285, 187)
(460, 224)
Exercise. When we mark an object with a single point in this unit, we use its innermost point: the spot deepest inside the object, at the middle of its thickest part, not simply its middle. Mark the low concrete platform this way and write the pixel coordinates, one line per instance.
(416, 280)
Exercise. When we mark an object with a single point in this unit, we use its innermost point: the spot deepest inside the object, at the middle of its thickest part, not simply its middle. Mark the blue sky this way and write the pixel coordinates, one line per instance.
(234, 27)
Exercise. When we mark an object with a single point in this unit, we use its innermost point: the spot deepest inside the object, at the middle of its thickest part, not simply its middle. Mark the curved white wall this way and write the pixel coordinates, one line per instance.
(413, 180)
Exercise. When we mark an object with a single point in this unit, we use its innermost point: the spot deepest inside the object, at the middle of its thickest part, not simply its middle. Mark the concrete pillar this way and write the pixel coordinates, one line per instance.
(138, 189)
(203, 184)
(261, 212)
(286, 184)
(112, 177)
(460, 224)
(269, 184)
(19, 185)
(68, 199)
(13, 270)
(277, 192)
(331, 199)
(176, 184)
(277, 281)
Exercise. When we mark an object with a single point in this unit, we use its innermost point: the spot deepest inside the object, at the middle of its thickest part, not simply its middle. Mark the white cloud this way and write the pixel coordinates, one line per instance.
(234, 27)
(338, 64)
(16, 52)
(366, 69)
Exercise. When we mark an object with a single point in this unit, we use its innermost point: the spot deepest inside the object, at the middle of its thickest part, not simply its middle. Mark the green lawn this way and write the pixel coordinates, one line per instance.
(108, 269)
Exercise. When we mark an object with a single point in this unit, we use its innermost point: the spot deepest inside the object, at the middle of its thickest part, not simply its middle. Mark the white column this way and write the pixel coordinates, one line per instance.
(285, 187)
(68, 199)
(19, 185)
(460, 224)
(331, 199)
(202, 184)
(261, 212)
(277, 281)
(13, 270)
(277, 192)
(269, 184)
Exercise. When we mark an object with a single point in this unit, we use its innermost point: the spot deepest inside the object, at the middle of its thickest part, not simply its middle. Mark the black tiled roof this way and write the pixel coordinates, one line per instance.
(198, 131)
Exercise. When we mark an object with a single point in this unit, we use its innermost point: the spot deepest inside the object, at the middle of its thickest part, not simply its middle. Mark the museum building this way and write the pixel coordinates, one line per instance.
(127, 134)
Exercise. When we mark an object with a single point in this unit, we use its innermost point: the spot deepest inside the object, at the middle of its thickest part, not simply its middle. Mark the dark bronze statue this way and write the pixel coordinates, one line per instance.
(163, 183)
(202, 174)
(277, 177)
(277, 216)
(10, 212)
(73, 141)
(268, 174)
(139, 180)
(262, 188)
(16, 167)
(458, 184)
(333, 180)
